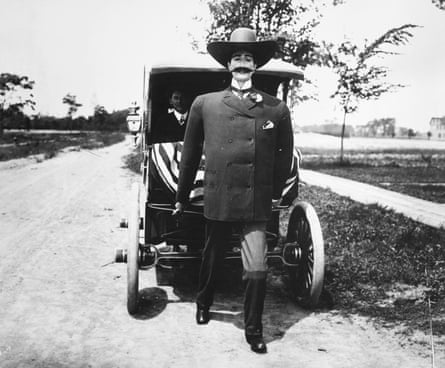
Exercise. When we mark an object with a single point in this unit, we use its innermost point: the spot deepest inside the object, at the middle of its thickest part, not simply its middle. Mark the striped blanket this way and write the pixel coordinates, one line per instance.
(166, 157)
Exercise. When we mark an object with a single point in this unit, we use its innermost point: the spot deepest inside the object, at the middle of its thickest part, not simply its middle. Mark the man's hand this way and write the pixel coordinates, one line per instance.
(179, 209)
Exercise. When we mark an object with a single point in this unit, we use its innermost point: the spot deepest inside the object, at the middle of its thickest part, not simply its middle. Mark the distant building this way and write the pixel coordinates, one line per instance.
(402, 132)
(377, 128)
(361, 131)
(329, 129)
(437, 128)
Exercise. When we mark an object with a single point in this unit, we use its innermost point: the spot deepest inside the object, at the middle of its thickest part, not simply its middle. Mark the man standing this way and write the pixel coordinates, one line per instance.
(247, 140)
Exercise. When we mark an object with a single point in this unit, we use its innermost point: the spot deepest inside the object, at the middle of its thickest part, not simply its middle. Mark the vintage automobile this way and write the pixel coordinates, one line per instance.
(158, 239)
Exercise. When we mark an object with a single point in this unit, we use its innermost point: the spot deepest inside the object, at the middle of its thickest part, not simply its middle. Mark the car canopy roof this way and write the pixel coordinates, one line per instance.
(195, 62)
(195, 74)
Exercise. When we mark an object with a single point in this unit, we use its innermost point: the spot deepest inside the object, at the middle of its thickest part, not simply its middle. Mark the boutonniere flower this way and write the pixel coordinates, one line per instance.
(255, 97)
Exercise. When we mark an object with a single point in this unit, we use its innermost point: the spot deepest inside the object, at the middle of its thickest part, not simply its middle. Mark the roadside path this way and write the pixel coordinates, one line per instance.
(427, 212)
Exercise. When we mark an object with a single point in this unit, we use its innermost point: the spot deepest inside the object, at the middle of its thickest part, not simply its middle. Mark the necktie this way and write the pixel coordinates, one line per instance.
(241, 93)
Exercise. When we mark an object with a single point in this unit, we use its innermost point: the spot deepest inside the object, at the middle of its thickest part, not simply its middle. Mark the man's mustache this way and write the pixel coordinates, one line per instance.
(243, 69)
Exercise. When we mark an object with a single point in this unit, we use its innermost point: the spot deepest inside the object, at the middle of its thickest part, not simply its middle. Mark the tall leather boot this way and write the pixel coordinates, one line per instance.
(253, 310)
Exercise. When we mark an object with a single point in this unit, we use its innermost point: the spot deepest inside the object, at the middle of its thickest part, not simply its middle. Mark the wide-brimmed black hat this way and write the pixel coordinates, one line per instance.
(243, 39)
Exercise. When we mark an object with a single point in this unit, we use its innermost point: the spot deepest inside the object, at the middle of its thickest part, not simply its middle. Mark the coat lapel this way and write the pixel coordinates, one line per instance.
(255, 107)
(242, 106)
(249, 104)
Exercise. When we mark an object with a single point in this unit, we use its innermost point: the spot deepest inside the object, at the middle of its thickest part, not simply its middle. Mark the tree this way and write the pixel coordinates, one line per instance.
(439, 3)
(289, 22)
(117, 120)
(15, 96)
(73, 106)
(359, 76)
(382, 127)
(100, 117)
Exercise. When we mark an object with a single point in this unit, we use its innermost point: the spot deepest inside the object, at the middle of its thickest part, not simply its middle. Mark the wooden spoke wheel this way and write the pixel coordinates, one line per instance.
(133, 253)
(304, 231)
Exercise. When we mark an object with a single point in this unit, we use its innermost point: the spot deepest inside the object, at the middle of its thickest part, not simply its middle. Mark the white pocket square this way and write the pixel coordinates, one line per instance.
(268, 125)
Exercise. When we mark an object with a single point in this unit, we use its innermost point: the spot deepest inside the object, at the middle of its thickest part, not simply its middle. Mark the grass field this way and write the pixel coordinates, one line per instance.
(315, 141)
(380, 264)
(18, 144)
(412, 167)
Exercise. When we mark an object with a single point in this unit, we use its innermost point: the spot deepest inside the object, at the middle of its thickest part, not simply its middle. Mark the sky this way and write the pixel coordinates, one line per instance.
(96, 50)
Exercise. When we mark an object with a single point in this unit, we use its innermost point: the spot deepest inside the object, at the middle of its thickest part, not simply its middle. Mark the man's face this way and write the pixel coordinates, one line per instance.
(242, 66)
(177, 101)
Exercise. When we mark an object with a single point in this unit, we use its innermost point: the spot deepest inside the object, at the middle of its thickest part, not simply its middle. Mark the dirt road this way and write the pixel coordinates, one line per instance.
(60, 308)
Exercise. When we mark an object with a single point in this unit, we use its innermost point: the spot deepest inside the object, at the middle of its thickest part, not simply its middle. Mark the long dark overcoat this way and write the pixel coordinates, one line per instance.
(248, 147)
